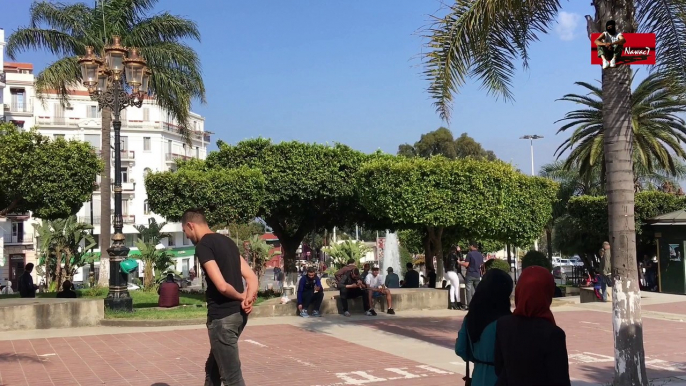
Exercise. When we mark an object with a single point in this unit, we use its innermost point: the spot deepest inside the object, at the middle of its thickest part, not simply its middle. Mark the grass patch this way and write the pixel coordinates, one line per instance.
(187, 312)
(141, 299)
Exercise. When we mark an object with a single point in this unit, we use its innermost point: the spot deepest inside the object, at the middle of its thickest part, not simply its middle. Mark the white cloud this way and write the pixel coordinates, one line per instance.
(567, 25)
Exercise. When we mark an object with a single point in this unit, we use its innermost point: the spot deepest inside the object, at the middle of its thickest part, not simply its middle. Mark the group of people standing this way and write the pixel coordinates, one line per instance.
(524, 347)
(473, 263)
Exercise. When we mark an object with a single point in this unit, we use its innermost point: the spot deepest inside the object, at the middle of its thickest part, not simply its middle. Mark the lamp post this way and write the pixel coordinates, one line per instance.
(531, 138)
(118, 80)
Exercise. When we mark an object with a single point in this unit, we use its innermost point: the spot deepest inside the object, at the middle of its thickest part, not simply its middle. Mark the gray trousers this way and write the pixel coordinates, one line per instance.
(471, 284)
(223, 365)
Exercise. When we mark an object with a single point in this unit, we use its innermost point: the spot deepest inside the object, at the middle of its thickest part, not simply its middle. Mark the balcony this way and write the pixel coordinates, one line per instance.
(19, 107)
(128, 186)
(58, 121)
(18, 215)
(171, 157)
(128, 219)
(126, 155)
(10, 239)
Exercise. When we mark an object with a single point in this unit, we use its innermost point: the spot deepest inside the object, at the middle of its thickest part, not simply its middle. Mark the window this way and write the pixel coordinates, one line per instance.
(146, 207)
(195, 125)
(93, 140)
(170, 240)
(124, 143)
(197, 152)
(146, 114)
(124, 174)
(125, 208)
(92, 111)
(186, 240)
(169, 146)
(130, 240)
(18, 99)
(58, 136)
(146, 144)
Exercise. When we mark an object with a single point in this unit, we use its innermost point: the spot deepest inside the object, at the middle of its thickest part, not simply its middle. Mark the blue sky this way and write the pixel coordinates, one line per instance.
(350, 72)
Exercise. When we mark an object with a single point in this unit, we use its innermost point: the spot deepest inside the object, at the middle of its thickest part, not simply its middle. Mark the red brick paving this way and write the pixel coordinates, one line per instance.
(673, 308)
(589, 342)
(270, 355)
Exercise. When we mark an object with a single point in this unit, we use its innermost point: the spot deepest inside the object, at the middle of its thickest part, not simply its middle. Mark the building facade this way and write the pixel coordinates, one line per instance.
(150, 142)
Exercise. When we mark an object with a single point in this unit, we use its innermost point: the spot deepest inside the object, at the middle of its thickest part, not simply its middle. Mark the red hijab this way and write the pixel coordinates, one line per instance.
(534, 294)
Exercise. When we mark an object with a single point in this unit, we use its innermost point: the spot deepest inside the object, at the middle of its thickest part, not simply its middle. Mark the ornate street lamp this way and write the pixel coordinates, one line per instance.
(119, 80)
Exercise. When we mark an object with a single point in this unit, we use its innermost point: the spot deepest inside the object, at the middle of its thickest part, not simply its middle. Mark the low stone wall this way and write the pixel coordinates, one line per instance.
(44, 313)
(588, 295)
(404, 299)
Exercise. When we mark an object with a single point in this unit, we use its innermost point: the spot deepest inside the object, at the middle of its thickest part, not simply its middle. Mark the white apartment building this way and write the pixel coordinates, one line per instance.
(150, 142)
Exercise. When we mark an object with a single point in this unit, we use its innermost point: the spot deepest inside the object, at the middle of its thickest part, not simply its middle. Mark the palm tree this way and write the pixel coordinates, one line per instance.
(658, 132)
(152, 255)
(64, 245)
(66, 29)
(483, 38)
(349, 249)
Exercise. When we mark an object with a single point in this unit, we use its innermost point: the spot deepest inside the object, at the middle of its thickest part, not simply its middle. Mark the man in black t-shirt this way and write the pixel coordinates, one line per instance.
(228, 302)
(473, 263)
(411, 277)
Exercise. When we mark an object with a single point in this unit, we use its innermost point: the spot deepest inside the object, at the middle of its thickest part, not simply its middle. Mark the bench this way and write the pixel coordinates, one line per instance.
(587, 295)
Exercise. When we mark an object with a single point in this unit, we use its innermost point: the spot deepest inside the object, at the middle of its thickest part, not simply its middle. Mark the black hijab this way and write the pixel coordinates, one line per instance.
(490, 302)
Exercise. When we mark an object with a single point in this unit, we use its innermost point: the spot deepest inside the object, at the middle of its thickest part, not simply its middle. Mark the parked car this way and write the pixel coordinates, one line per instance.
(576, 260)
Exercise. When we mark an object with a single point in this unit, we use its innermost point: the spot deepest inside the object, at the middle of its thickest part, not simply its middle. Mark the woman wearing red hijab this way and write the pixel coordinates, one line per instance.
(530, 349)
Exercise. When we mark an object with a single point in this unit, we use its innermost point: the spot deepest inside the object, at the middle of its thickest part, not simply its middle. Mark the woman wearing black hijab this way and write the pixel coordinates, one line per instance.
(476, 339)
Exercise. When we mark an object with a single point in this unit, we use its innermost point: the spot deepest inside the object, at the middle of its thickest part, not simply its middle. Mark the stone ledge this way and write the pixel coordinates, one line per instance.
(45, 313)
(587, 295)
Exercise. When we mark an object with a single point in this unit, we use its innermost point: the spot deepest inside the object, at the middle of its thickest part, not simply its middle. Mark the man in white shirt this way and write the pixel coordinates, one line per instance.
(610, 44)
(376, 288)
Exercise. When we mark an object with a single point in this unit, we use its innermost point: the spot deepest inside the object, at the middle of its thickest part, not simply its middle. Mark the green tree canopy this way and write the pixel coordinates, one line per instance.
(441, 142)
(226, 195)
(484, 200)
(51, 178)
(308, 187)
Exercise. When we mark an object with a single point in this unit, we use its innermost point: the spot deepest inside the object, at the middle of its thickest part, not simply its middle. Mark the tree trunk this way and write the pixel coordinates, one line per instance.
(626, 298)
(549, 242)
(435, 235)
(147, 275)
(428, 252)
(509, 255)
(105, 198)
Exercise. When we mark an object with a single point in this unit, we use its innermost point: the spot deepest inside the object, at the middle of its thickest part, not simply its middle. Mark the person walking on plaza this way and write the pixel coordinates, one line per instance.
(350, 287)
(476, 339)
(530, 349)
(310, 292)
(376, 288)
(25, 286)
(606, 268)
(451, 264)
(392, 279)
(472, 263)
(228, 301)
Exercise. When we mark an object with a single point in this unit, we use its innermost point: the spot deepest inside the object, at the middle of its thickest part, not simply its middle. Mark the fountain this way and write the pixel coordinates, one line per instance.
(391, 253)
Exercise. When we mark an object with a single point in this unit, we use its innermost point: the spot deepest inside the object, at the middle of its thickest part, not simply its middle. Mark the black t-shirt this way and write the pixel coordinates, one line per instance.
(224, 252)
(475, 260)
(69, 294)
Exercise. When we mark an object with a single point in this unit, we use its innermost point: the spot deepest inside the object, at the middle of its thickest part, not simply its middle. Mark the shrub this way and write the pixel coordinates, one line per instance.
(536, 258)
(498, 264)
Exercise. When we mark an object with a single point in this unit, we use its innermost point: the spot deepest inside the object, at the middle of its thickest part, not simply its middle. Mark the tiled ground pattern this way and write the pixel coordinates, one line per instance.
(271, 355)
(589, 342)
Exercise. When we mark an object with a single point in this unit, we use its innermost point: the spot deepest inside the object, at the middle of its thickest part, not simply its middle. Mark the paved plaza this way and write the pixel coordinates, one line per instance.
(412, 348)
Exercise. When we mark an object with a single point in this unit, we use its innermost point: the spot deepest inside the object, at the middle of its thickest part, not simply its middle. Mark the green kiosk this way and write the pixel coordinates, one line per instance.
(670, 235)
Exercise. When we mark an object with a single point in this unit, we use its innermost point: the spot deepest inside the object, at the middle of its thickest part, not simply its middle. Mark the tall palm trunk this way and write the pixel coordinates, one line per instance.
(618, 140)
(105, 197)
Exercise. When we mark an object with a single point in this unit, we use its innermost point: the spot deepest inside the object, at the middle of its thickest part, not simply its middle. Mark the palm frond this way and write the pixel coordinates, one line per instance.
(481, 38)
(61, 76)
(162, 28)
(56, 42)
(667, 20)
(72, 19)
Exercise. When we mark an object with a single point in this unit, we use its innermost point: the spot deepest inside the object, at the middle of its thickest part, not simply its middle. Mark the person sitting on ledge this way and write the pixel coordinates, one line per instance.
(67, 291)
(169, 293)
(310, 292)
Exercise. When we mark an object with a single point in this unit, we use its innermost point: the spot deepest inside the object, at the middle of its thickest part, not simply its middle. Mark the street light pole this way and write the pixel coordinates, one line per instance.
(108, 82)
(531, 139)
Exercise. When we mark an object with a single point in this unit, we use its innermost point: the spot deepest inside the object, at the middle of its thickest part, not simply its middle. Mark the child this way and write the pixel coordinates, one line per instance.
(597, 286)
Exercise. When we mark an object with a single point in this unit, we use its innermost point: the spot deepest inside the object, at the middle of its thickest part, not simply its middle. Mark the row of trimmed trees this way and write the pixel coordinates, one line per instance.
(298, 188)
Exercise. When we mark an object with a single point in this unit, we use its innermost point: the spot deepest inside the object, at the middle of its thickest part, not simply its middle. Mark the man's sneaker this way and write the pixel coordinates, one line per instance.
(372, 311)
(606, 64)
(369, 313)
(346, 313)
(316, 314)
(613, 63)
(390, 311)
(304, 314)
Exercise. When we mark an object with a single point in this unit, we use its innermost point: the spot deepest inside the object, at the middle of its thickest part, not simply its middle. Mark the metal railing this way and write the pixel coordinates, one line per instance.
(126, 155)
(17, 239)
(20, 107)
(128, 219)
(174, 157)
